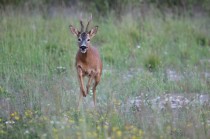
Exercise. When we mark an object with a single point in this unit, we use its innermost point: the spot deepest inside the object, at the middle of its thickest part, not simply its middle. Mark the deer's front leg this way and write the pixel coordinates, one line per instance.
(80, 76)
(89, 82)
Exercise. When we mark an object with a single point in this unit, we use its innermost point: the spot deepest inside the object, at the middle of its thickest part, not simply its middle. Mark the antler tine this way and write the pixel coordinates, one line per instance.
(81, 23)
(90, 18)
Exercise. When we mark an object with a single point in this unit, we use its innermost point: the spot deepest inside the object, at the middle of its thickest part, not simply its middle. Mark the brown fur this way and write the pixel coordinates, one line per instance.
(88, 64)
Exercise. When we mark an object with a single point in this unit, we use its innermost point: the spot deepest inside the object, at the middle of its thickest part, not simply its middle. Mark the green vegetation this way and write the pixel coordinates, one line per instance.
(147, 61)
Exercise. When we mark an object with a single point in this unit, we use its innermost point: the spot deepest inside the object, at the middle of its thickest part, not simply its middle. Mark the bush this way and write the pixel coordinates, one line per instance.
(152, 62)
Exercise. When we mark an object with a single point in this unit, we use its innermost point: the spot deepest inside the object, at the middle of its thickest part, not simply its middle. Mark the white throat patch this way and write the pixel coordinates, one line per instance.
(83, 51)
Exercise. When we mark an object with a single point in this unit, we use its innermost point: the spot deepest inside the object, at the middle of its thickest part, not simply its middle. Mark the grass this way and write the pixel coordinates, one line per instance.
(39, 88)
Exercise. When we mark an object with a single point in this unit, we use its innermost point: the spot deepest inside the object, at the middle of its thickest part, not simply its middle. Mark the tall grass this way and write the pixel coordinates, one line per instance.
(39, 89)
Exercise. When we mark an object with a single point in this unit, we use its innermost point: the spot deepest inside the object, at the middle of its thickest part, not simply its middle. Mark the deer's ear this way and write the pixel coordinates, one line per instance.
(93, 31)
(74, 30)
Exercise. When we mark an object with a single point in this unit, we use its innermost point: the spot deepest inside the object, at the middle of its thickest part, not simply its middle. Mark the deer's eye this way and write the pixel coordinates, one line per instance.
(88, 39)
(79, 39)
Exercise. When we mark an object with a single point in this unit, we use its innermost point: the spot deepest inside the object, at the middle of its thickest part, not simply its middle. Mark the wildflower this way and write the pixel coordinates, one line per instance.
(52, 122)
(116, 102)
(26, 132)
(141, 133)
(55, 130)
(114, 129)
(106, 127)
(81, 120)
(134, 137)
(128, 127)
(78, 134)
(134, 130)
(98, 128)
(17, 118)
(44, 118)
(2, 132)
(28, 113)
(189, 125)
(10, 122)
(119, 133)
(71, 121)
(44, 135)
(13, 114)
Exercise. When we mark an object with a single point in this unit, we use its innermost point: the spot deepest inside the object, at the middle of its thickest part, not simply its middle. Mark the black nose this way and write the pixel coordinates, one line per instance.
(83, 47)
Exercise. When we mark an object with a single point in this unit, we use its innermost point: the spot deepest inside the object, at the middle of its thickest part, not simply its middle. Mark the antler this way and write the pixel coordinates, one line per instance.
(90, 18)
(82, 26)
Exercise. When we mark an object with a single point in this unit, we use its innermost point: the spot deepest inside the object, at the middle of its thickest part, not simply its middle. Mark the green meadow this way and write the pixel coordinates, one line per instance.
(155, 82)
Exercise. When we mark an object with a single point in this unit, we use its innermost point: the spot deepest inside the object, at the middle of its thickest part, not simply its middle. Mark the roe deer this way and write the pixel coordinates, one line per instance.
(88, 62)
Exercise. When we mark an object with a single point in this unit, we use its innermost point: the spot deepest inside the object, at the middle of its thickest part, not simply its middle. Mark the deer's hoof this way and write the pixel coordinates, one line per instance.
(84, 94)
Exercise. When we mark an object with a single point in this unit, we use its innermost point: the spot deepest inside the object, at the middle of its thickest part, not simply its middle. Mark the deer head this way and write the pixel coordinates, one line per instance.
(84, 36)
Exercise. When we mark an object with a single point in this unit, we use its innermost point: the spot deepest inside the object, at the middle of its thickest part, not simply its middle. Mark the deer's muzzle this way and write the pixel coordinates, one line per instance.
(83, 49)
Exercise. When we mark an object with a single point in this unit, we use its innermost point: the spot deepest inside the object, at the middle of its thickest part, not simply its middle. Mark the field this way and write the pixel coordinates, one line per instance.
(155, 82)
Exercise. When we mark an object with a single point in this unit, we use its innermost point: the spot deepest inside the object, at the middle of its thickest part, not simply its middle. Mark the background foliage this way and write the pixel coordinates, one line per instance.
(118, 6)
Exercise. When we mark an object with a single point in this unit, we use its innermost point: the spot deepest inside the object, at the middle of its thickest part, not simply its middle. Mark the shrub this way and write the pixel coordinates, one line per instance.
(152, 62)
